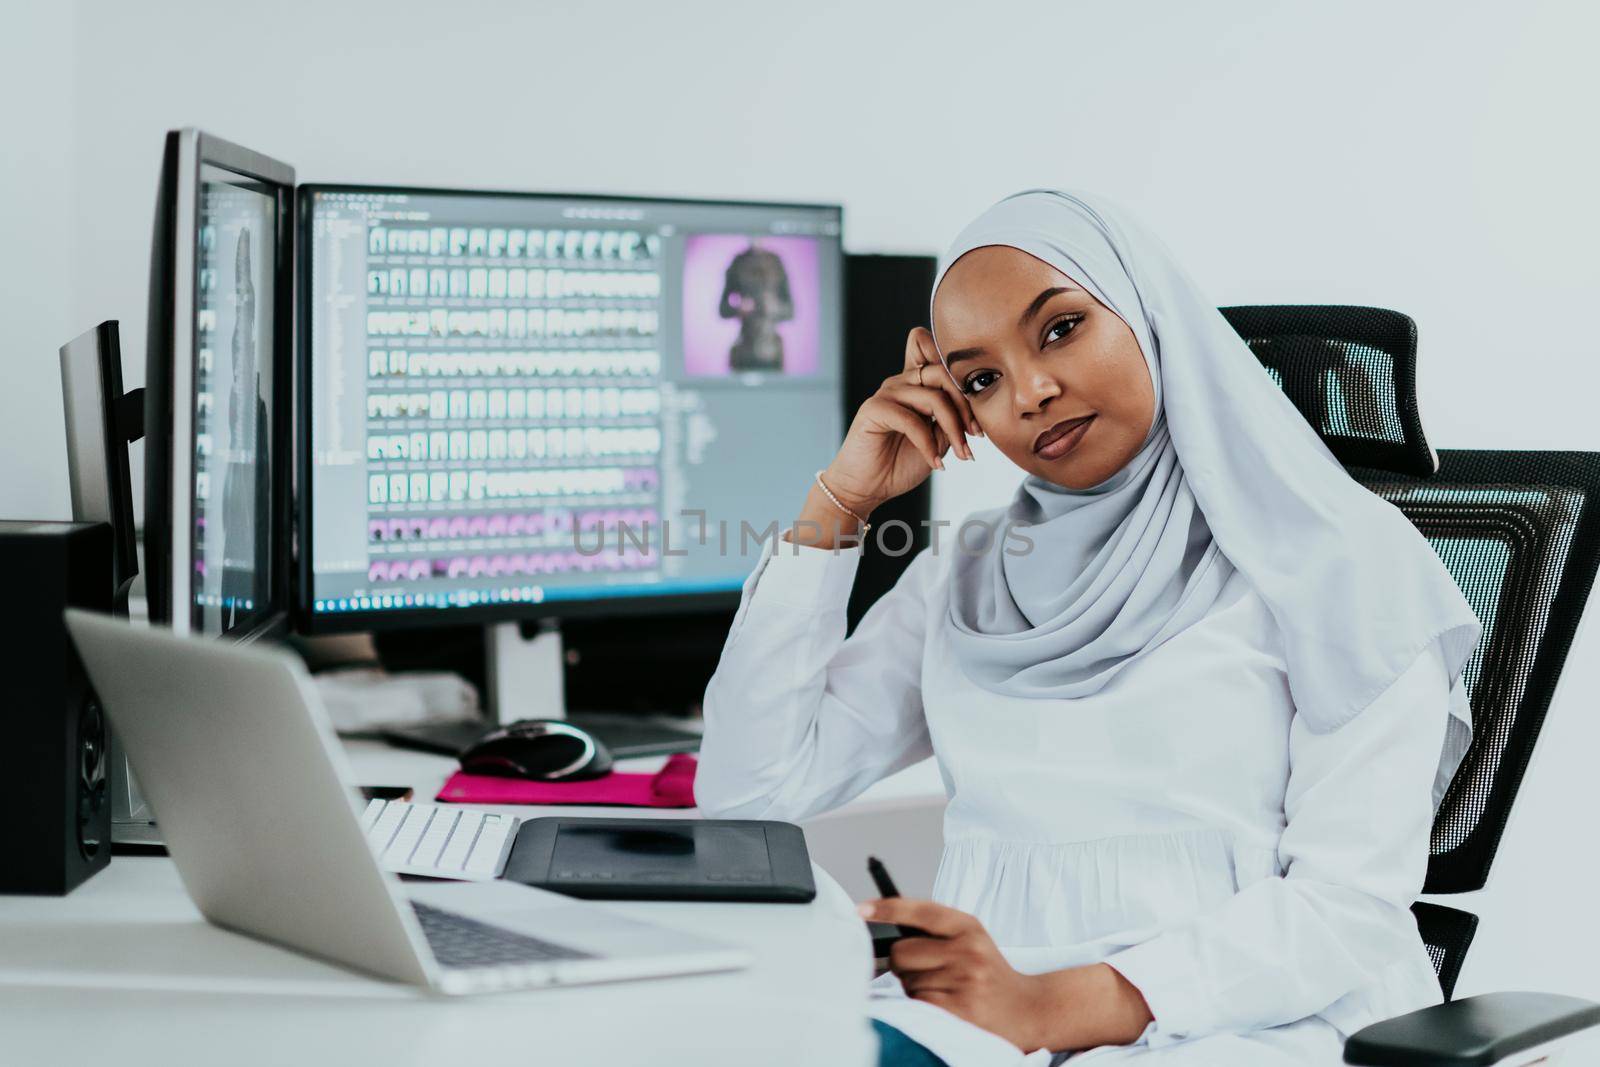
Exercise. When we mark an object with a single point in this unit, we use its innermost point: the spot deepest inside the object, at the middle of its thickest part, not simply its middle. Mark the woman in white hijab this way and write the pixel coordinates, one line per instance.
(1195, 694)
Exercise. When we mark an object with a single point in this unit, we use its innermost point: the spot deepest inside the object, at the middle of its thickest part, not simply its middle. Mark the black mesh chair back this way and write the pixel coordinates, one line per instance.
(1518, 531)
(1447, 934)
(1352, 372)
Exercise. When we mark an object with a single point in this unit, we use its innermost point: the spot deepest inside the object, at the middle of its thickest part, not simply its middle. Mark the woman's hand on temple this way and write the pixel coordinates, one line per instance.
(902, 432)
(959, 968)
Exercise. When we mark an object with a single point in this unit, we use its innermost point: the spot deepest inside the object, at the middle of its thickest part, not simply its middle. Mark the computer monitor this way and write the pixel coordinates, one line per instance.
(217, 404)
(524, 405)
(101, 421)
(218, 390)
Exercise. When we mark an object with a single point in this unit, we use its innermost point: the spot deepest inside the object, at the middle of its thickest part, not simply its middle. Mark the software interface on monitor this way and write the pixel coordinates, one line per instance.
(234, 301)
(520, 399)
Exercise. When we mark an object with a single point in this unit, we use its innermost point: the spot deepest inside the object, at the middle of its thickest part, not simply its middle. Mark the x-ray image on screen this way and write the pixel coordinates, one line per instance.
(232, 420)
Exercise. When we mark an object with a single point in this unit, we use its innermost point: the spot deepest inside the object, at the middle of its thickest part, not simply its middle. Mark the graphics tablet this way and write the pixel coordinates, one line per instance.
(664, 859)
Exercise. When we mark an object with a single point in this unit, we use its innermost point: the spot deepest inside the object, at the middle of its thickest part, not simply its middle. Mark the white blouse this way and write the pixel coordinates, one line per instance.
(1250, 877)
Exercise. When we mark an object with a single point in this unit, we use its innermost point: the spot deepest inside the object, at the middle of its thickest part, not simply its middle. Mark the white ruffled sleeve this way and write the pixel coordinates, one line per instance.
(1359, 812)
(798, 718)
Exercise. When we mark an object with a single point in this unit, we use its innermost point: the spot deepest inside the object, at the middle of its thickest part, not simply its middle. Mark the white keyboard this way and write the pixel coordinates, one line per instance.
(439, 841)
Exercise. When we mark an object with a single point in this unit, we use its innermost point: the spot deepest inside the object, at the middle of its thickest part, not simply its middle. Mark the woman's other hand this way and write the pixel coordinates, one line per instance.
(903, 431)
(959, 968)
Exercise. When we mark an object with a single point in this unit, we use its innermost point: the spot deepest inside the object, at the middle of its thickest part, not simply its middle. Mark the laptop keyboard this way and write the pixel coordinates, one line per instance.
(437, 839)
(458, 941)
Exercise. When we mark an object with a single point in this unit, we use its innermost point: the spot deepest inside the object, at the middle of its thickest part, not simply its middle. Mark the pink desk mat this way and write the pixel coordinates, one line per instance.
(670, 787)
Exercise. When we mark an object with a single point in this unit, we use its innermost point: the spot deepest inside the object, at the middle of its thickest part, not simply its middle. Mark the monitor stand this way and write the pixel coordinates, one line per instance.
(526, 675)
(526, 679)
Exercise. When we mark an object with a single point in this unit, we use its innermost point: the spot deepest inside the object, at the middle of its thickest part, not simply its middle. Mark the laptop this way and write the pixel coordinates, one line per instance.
(254, 795)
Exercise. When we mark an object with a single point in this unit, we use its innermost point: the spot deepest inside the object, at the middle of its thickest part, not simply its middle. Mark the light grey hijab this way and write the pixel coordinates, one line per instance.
(1230, 476)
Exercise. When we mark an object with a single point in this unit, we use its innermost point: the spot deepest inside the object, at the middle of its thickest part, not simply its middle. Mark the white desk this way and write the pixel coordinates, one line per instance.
(124, 971)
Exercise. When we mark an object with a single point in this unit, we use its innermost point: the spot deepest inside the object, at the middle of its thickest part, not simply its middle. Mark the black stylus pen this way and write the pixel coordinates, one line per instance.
(880, 877)
(886, 889)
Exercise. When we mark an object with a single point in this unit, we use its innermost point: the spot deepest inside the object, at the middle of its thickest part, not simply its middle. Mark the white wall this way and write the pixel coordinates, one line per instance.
(1439, 158)
(37, 207)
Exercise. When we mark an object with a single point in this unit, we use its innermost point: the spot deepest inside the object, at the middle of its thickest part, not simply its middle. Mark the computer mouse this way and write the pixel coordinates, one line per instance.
(543, 750)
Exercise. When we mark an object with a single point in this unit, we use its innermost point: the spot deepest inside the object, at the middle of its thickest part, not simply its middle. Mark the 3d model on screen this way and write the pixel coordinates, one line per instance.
(756, 291)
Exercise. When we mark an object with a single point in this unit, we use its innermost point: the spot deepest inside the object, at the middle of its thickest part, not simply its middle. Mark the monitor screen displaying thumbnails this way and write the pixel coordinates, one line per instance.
(526, 404)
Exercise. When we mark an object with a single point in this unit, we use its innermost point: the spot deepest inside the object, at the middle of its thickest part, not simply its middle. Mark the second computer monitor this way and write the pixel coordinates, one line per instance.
(218, 390)
(554, 404)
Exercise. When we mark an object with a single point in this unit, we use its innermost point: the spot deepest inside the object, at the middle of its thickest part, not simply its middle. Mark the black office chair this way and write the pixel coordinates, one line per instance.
(1520, 533)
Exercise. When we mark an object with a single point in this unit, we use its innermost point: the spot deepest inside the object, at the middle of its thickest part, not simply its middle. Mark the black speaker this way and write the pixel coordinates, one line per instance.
(53, 735)
(885, 297)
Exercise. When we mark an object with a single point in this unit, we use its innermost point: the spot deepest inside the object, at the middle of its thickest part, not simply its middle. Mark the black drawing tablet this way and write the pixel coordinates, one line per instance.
(664, 859)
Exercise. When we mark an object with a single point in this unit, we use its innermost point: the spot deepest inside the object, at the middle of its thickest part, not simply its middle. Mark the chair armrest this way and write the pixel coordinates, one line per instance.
(1472, 1032)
